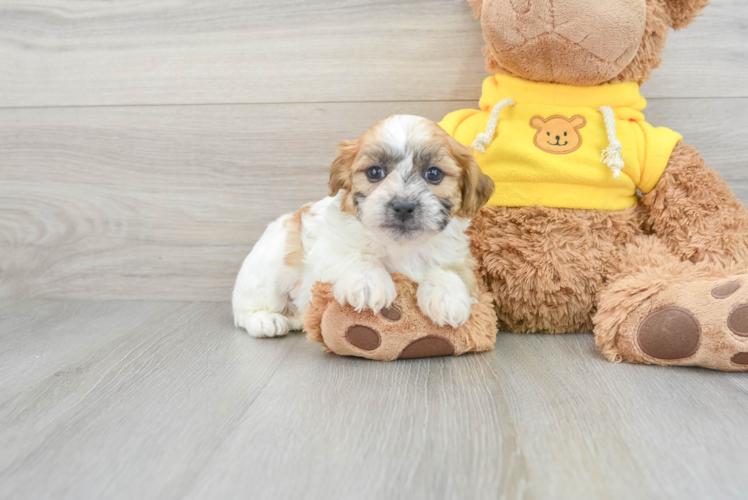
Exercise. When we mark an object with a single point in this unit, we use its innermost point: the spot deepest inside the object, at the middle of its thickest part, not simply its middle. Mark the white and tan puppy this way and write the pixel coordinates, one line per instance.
(401, 198)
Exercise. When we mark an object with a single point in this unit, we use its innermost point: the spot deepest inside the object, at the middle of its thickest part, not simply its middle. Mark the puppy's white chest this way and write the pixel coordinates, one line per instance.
(414, 266)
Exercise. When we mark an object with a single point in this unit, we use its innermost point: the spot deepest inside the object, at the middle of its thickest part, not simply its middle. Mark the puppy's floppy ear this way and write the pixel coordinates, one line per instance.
(340, 170)
(477, 187)
(683, 12)
(476, 5)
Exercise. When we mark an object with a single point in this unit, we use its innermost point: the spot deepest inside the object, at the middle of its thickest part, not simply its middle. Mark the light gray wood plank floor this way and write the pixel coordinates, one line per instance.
(162, 400)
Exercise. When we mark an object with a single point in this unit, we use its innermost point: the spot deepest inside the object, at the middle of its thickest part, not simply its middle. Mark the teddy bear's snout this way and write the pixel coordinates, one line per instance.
(575, 36)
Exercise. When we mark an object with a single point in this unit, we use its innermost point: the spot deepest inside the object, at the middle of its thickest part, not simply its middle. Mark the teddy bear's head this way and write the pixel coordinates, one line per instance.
(579, 42)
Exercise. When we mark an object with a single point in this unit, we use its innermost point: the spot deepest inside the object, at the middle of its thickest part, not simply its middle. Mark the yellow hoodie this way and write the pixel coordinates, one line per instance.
(549, 140)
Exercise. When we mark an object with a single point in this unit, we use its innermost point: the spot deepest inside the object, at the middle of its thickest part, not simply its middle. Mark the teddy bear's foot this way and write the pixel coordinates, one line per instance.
(400, 331)
(649, 319)
(369, 339)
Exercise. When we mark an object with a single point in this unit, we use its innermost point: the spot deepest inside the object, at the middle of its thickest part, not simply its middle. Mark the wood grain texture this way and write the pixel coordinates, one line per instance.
(165, 202)
(168, 400)
(119, 395)
(82, 52)
(144, 146)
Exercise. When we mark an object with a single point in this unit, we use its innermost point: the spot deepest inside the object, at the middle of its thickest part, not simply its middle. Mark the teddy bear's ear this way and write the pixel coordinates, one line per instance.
(683, 12)
(491, 65)
(476, 5)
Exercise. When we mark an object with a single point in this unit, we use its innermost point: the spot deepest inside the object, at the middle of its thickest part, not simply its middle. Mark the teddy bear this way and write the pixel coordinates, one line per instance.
(600, 223)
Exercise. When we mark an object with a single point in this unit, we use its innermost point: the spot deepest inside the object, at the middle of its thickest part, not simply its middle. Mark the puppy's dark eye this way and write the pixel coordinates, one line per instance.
(564, 134)
(548, 133)
(375, 173)
(434, 175)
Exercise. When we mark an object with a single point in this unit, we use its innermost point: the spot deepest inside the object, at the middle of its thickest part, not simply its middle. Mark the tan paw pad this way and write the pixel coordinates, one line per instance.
(363, 337)
(392, 313)
(737, 321)
(428, 347)
(725, 290)
(670, 333)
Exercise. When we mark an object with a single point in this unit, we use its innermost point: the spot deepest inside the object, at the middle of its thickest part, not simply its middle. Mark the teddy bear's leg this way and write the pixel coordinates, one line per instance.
(680, 295)
(659, 309)
(694, 212)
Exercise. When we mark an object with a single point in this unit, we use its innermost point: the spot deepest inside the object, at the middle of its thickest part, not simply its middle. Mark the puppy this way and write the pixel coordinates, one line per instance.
(401, 198)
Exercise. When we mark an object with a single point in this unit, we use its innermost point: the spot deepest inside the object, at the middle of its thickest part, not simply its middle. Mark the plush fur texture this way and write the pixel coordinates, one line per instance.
(694, 212)
(546, 266)
(401, 198)
(649, 281)
(327, 321)
(654, 279)
(580, 42)
(556, 271)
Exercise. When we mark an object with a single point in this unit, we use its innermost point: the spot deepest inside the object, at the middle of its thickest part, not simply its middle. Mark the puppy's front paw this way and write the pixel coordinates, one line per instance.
(445, 301)
(262, 323)
(367, 289)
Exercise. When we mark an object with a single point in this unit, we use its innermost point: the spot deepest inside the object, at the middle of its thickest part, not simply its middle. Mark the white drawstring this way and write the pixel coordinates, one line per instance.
(484, 139)
(612, 156)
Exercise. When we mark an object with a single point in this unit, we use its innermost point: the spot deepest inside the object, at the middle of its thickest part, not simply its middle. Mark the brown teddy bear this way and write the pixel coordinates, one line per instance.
(600, 222)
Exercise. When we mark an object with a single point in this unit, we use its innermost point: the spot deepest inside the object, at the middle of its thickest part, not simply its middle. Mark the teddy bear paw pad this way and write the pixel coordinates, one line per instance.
(700, 323)
(392, 313)
(725, 290)
(740, 358)
(670, 333)
(428, 347)
(363, 337)
(737, 322)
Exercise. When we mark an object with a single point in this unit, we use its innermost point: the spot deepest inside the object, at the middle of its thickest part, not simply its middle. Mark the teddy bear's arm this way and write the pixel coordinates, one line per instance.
(693, 210)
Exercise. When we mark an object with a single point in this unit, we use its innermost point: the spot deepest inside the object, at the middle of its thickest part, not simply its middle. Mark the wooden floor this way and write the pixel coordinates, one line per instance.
(144, 146)
(166, 400)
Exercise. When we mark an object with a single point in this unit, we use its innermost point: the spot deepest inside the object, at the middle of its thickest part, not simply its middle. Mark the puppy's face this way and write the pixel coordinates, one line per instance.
(406, 178)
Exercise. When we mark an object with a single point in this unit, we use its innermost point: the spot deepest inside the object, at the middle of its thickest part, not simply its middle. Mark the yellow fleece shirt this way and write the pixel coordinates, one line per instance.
(547, 147)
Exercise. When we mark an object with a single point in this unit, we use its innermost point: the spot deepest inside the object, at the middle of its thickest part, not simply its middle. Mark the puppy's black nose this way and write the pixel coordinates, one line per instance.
(558, 137)
(404, 209)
